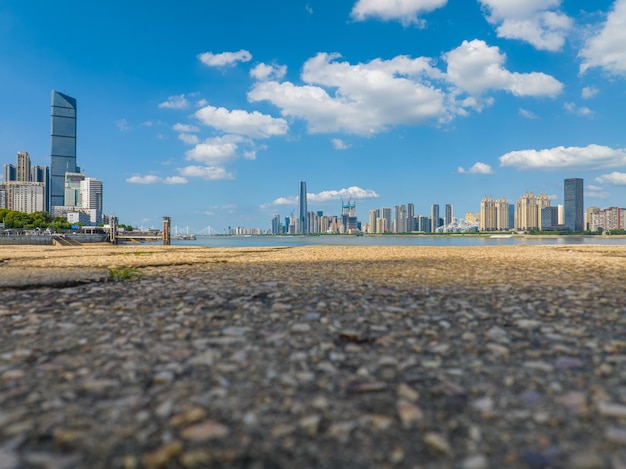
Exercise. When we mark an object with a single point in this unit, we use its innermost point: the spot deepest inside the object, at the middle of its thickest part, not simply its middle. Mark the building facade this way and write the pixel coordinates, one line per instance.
(63, 144)
(303, 211)
(573, 204)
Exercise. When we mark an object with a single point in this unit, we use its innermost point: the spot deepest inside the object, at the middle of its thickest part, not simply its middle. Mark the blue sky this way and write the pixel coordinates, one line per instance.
(213, 112)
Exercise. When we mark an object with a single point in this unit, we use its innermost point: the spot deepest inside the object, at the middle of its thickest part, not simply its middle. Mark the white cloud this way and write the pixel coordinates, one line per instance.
(578, 110)
(185, 128)
(405, 11)
(597, 195)
(606, 48)
(225, 58)
(362, 99)
(595, 188)
(339, 144)
(189, 139)
(152, 179)
(527, 114)
(538, 22)
(368, 98)
(309, 9)
(214, 150)
(122, 124)
(212, 173)
(477, 168)
(476, 67)
(615, 178)
(589, 92)
(175, 180)
(353, 192)
(149, 179)
(591, 157)
(175, 102)
(253, 124)
(264, 72)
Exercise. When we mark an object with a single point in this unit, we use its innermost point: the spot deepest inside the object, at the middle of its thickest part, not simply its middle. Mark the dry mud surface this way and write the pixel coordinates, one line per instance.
(364, 357)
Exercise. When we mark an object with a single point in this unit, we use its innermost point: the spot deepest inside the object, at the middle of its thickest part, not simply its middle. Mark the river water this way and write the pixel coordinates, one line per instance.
(294, 241)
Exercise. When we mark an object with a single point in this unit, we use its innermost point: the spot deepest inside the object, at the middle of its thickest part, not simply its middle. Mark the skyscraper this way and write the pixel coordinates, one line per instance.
(573, 201)
(448, 217)
(434, 216)
(63, 144)
(304, 222)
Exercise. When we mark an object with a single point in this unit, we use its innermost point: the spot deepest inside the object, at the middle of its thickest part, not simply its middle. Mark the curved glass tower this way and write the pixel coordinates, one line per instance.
(63, 144)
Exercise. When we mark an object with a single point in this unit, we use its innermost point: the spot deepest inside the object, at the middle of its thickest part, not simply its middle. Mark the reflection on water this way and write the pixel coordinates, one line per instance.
(292, 241)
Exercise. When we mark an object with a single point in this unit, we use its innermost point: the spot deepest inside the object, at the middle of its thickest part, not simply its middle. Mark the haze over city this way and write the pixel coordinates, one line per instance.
(212, 113)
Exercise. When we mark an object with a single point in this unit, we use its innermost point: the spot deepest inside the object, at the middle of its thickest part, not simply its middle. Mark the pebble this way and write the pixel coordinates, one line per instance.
(207, 430)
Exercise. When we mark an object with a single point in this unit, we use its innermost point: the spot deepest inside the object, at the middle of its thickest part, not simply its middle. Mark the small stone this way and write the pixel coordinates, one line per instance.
(407, 392)
(163, 378)
(538, 365)
(609, 409)
(310, 424)
(341, 430)
(573, 400)
(438, 442)
(616, 435)
(397, 455)
(300, 328)
(567, 363)
(163, 455)
(99, 386)
(12, 375)
(498, 350)
(207, 430)
(586, 460)
(196, 458)
(484, 404)
(409, 413)
(476, 461)
(497, 334)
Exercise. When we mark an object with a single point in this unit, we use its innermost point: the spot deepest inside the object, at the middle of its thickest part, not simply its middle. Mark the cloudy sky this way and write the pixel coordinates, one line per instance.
(212, 112)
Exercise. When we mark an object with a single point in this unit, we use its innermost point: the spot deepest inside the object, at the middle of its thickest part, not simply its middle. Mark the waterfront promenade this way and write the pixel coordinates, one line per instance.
(333, 356)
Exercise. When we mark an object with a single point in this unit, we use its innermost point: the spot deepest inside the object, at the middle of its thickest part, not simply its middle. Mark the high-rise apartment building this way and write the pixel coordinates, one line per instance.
(502, 213)
(528, 211)
(22, 172)
(63, 144)
(25, 188)
(303, 212)
(386, 214)
(434, 216)
(488, 215)
(573, 202)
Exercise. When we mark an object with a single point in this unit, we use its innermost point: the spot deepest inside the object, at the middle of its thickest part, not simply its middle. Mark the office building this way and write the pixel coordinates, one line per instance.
(448, 215)
(303, 211)
(63, 144)
(410, 217)
(573, 204)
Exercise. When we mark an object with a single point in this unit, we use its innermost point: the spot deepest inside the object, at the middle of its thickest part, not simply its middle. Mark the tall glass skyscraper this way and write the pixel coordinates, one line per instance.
(573, 204)
(304, 214)
(63, 144)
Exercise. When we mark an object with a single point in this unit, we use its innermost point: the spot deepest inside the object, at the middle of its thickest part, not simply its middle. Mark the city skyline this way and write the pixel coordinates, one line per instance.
(438, 102)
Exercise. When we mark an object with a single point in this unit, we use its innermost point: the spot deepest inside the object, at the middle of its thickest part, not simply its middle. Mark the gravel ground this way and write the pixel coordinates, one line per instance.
(330, 357)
